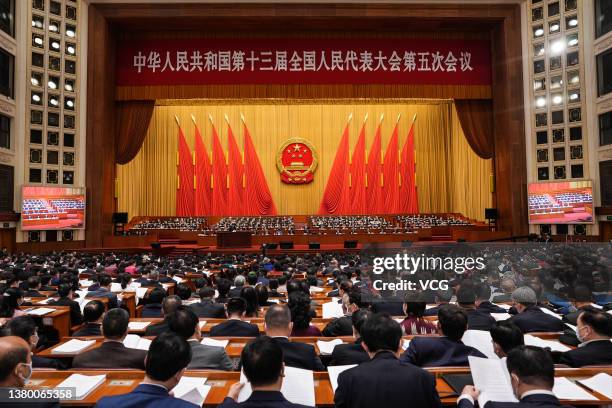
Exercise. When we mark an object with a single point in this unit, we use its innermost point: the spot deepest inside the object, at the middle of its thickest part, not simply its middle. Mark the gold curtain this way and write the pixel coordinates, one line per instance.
(448, 172)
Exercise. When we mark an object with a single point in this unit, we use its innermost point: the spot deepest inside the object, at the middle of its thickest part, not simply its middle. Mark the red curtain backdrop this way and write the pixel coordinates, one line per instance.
(203, 204)
(358, 175)
(476, 118)
(258, 199)
(235, 200)
(185, 195)
(219, 177)
(336, 196)
(390, 171)
(409, 202)
(133, 119)
(374, 170)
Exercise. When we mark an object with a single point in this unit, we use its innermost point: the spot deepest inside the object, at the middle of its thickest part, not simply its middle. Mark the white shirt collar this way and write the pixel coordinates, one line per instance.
(154, 385)
(533, 392)
(591, 341)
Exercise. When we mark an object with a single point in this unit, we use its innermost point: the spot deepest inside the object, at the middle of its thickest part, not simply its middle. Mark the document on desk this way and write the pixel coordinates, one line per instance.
(134, 341)
(73, 346)
(566, 389)
(500, 316)
(192, 389)
(405, 344)
(298, 386)
(207, 341)
(550, 312)
(141, 292)
(83, 384)
(39, 311)
(332, 309)
(201, 324)
(116, 287)
(334, 372)
(492, 387)
(538, 342)
(327, 347)
(601, 383)
(138, 325)
(481, 341)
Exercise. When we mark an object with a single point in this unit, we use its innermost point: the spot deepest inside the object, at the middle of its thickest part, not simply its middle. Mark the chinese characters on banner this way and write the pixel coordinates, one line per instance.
(282, 61)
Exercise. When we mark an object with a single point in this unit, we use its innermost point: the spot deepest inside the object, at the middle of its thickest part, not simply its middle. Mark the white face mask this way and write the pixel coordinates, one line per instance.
(26, 378)
(580, 337)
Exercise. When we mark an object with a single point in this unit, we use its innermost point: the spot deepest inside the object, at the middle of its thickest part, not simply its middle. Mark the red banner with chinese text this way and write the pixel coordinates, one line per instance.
(304, 61)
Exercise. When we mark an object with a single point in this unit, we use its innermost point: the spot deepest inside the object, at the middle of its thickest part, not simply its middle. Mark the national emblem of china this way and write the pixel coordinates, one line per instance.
(296, 161)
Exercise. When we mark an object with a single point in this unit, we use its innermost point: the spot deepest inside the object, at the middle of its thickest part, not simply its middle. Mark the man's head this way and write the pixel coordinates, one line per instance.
(262, 362)
(351, 300)
(115, 324)
(235, 307)
(157, 295)
(358, 319)
(239, 281)
(524, 297)
(24, 327)
(508, 285)
(105, 280)
(452, 322)
(506, 336)
(206, 293)
(182, 291)
(466, 295)
(381, 333)
(594, 325)
(170, 304)
(167, 358)
(278, 321)
(582, 295)
(483, 293)
(64, 289)
(223, 287)
(15, 362)
(93, 311)
(33, 283)
(530, 368)
(184, 322)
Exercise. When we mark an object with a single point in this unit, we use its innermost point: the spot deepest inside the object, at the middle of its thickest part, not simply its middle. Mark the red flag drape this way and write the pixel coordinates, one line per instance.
(219, 177)
(203, 204)
(235, 200)
(358, 176)
(390, 170)
(373, 171)
(185, 195)
(258, 199)
(336, 196)
(409, 198)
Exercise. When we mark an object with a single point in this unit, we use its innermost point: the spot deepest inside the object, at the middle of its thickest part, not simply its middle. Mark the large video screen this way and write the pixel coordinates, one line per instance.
(569, 202)
(52, 208)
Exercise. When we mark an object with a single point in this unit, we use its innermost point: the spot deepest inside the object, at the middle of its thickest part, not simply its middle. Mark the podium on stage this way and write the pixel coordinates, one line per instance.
(234, 239)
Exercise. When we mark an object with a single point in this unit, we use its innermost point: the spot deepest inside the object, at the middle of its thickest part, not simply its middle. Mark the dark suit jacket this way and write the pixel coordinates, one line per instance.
(572, 318)
(489, 307)
(433, 311)
(393, 306)
(535, 320)
(593, 353)
(103, 292)
(501, 297)
(386, 382)
(261, 399)
(89, 329)
(33, 293)
(234, 292)
(207, 308)
(344, 354)
(300, 355)
(157, 328)
(438, 352)
(234, 328)
(75, 310)
(341, 326)
(111, 354)
(479, 320)
(152, 310)
(43, 362)
(530, 401)
(145, 395)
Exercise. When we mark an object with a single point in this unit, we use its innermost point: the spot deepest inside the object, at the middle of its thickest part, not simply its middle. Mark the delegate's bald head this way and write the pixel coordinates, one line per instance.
(278, 317)
(170, 304)
(14, 353)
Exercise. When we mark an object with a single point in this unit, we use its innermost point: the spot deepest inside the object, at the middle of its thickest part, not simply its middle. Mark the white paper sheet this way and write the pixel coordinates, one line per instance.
(405, 344)
(566, 389)
(298, 386)
(538, 342)
(503, 305)
(327, 347)
(192, 389)
(116, 287)
(602, 383)
(316, 289)
(141, 292)
(201, 324)
(138, 325)
(492, 387)
(550, 312)
(501, 316)
(85, 283)
(72, 346)
(84, 384)
(481, 341)
(134, 341)
(332, 309)
(334, 372)
(207, 341)
(39, 311)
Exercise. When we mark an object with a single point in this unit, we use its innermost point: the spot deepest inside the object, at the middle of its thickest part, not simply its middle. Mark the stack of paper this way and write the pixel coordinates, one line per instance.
(492, 387)
(116, 287)
(565, 389)
(192, 389)
(134, 341)
(316, 289)
(601, 383)
(334, 372)
(73, 346)
(538, 342)
(201, 324)
(85, 283)
(141, 292)
(501, 316)
(84, 384)
(332, 309)
(138, 326)
(44, 301)
(327, 347)
(298, 387)
(39, 311)
(481, 341)
(207, 341)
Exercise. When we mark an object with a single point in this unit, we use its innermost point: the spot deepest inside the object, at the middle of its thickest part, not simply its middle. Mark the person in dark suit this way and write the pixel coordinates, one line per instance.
(25, 328)
(262, 363)
(223, 287)
(507, 288)
(169, 306)
(65, 299)
(295, 354)
(483, 294)
(389, 303)
(343, 326)
(532, 375)
(166, 361)
(112, 353)
(581, 301)
(443, 297)
(184, 322)
(239, 282)
(234, 326)
(466, 298)
(354, 353)
(506, 336)
(153, 307)
(530, 317)
(446, 350)
(92, 320)
(206, 307)
(594, 330)
(384, 381)
(104, 291)
(33, 288)
(152, 280)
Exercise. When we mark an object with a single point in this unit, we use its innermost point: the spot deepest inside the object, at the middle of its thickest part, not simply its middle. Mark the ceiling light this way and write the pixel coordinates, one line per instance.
(34, 81)
(68, 87)
(573, 96)
(575, 79)
(554, 27)
(52, 85)
(541, 102)
(55, 45)
(53, 101)
(70, 49)
(70, 33)
(557, 100)
(38, 40)
(572, 42)
(557, 46)
(573, 22)
(539, 32)
(36, 98)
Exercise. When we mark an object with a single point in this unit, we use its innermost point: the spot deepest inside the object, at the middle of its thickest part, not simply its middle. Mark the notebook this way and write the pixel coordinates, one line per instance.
(39, 311)
(138, 325)
(83, 384)
(327, 347)
(332, 309)
(73, 346)
(134, 341)
(458, 381)
(192, 389)
(207, 341)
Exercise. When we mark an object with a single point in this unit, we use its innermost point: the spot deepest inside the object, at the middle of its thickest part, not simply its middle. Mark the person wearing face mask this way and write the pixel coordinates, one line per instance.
(532, 375)
(343, 326)
(594, 330)
(25, 327)
(16, 369)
